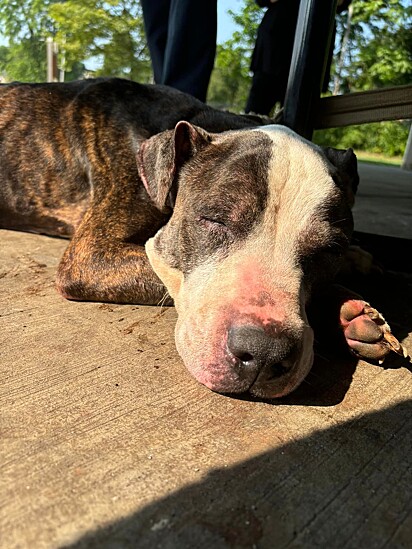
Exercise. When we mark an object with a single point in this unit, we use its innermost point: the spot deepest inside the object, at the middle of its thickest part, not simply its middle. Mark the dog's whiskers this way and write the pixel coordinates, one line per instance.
(308, 383)
(323, 357)
(339, 220)
(163, 300)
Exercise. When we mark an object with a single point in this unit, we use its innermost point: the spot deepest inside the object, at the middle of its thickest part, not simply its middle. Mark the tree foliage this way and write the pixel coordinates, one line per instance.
(26, 25)
(379, 51)
(112, 30)
(388, 138)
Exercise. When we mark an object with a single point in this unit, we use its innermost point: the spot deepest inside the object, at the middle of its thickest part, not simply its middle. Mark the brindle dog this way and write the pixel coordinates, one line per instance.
(242, 224)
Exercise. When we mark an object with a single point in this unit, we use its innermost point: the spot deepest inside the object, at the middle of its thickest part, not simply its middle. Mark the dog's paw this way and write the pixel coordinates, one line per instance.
(367, 333)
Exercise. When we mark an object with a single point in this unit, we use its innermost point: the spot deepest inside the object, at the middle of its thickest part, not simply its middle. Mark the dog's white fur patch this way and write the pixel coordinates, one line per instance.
(299, 185)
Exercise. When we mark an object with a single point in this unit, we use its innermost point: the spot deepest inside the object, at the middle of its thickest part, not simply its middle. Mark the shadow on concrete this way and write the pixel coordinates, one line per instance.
(348, 485)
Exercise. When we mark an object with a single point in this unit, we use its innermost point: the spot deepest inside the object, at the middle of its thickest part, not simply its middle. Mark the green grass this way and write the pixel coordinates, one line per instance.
(376, 158)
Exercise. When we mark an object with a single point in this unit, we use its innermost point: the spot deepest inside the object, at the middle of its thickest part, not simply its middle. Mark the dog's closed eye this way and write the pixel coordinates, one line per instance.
(216, 231)
(213, 223)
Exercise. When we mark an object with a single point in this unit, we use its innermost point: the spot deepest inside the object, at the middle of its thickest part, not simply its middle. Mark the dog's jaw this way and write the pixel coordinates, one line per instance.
(172, 278)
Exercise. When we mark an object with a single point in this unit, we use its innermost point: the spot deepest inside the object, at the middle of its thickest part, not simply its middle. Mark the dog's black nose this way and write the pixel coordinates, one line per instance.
(256, 349)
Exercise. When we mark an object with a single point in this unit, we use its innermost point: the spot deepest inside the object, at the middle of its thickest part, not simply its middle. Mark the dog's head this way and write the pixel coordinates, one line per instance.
(259, 218)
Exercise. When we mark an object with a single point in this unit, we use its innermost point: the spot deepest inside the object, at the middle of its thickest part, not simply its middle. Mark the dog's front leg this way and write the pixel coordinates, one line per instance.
(101, 264)
(116, 273)
(340, 313)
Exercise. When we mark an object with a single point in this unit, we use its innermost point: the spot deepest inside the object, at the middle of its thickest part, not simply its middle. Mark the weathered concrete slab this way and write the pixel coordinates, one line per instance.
(384, 201)
(107, 442)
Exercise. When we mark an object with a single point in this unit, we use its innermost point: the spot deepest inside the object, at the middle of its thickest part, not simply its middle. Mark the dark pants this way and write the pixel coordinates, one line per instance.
(181, 35)
(272, 55)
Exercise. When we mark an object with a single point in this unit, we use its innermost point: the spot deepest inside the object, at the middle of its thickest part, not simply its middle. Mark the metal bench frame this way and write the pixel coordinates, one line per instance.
(304, 110)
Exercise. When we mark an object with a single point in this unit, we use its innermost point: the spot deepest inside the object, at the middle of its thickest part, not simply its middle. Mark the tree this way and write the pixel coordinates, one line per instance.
(26, 25)
(112, 30)
(25, 61)
(4, 53)
(379, 45)
(343, 48)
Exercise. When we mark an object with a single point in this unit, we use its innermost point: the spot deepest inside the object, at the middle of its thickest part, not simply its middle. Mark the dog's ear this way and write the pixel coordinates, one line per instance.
(161, 157)
(347, 170)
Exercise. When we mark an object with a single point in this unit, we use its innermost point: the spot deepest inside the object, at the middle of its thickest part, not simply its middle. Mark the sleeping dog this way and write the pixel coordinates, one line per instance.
(244, 226)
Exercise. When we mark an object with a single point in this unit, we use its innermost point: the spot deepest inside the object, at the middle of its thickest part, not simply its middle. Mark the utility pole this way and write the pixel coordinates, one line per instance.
(52, 71)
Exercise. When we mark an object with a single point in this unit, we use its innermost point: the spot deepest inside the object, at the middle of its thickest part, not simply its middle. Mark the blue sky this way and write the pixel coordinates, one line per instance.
(225, 25)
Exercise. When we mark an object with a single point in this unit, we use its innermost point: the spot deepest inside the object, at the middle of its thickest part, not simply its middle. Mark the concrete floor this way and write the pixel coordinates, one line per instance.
(106, 441)
(384, 201)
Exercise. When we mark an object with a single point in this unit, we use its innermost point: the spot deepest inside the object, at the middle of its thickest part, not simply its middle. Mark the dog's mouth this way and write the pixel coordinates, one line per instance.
(278, 380)
(234, 377)
(274, 379)
(270, 381)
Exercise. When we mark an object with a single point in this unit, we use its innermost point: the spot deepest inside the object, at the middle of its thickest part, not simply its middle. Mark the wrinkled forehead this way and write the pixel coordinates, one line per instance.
(296, 165)
(270, 163)
(254, 197)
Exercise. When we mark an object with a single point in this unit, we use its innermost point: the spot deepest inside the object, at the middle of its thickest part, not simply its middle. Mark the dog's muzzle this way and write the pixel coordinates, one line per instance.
(250, 359)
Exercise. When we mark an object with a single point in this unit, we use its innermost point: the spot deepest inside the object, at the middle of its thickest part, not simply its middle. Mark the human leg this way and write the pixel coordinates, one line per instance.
(156, 20)
(191, 46)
